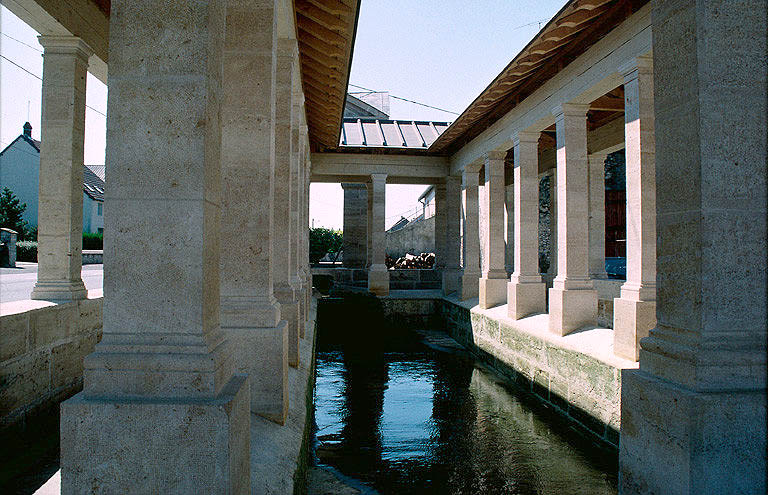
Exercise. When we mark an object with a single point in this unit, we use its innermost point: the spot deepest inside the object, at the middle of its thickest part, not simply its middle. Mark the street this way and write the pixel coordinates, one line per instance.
(16, 283)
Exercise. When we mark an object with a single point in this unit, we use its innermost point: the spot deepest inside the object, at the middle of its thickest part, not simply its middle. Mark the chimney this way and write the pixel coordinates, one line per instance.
(27, 129)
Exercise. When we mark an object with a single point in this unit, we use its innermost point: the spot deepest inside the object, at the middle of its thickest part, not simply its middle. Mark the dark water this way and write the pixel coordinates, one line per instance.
(398, 416)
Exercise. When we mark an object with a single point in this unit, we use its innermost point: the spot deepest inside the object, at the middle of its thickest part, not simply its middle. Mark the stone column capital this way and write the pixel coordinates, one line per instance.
(379, 178)
(570, 109)
(66, 44)
(470, 178)
(525, 137)
(631, 68)
(494, 155)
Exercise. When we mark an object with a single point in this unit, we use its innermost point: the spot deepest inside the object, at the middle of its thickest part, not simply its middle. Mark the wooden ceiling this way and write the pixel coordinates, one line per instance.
(578, 25)
(325, 30)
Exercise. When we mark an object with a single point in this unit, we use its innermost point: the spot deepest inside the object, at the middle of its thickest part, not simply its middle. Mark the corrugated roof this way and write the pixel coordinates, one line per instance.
(378, 133)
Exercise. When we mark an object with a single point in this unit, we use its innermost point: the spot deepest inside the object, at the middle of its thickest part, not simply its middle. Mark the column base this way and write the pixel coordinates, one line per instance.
(378, 280)
(678, 441)
(289, 311)
(157, 445)
(492, 292)
(469, 285)
(571, 309)
(451, 280)
(526, 298)
(262, 354)
(60, 291)
(632, 321)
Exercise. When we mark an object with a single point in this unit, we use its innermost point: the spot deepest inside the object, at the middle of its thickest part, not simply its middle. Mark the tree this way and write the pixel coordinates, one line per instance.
(11, 210)
(321, 241)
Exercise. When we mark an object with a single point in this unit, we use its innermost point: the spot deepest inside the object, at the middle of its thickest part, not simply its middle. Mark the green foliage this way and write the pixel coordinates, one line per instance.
(11, 210)
(26, 251)
(93, 241)
(321, 241)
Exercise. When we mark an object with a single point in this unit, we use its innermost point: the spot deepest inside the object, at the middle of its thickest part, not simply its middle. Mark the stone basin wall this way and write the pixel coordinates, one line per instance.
(41, 356)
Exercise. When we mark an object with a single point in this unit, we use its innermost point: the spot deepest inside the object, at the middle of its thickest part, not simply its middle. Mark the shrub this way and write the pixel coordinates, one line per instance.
(93, 241)
(26, 251)
(321, 241)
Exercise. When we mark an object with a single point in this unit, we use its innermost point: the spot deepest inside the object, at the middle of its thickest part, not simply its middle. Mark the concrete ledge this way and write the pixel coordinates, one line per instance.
(93, 256)
(578, 374)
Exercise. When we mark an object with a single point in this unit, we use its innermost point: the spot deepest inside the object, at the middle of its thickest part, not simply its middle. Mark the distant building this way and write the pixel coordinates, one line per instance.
(20, 172)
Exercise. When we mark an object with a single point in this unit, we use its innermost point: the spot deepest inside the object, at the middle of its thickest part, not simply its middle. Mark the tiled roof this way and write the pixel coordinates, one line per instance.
(378, 133)
(93, 185)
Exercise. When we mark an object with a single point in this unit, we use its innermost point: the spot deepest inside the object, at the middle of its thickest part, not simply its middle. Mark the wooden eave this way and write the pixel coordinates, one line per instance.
(578, 25)
(325, 30)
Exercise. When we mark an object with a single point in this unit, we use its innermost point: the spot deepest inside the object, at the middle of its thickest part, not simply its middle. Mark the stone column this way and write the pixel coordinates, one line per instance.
(160, 384)
(296, 281)
(355, 231)
(526, 293)
(452, 267)
(369, 225)
(378, 275)
(471, 273)
(597, 215)
(634, 313)
(572, 300)
(441, 224)
(308, 168)
(697, 405)
(60, 210)
(250, 314)
(283, 262)
(493, 282)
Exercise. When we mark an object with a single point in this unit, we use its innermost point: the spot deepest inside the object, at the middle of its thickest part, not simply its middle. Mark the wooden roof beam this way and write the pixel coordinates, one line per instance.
(322, 17)
(318, 30)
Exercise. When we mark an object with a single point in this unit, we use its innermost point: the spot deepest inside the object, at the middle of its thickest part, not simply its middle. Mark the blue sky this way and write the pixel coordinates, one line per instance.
(439, 52)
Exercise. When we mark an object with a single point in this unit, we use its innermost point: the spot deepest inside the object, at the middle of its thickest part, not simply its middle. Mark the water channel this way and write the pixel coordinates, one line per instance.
(412, 412)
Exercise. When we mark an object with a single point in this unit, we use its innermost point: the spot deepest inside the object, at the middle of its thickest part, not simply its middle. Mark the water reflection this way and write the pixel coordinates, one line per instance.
(404, 418)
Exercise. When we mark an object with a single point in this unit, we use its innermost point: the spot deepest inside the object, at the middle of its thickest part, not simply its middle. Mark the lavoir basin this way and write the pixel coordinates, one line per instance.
(410, 411)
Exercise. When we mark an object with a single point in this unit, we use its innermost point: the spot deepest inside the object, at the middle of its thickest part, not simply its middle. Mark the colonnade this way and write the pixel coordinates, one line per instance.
(207, 284)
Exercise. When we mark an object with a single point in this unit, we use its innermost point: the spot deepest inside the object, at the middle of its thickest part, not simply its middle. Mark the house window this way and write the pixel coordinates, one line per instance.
(98, 209)
(101, 230)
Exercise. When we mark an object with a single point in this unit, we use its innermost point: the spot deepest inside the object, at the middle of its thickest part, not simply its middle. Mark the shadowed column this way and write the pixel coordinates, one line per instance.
(471, 273)
(452, 267)
(378, 275)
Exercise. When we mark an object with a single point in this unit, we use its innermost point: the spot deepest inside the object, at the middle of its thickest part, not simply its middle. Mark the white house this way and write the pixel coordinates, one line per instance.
(20, 172)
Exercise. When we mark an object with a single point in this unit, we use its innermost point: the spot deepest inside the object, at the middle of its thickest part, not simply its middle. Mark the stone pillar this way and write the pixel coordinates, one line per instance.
(696, 408)
(160, 384)
(526, 293)
(493, 282)
(572, 300)
(441, 224)
(552, 270)
(378, 275)
(305, 273)
(250, 314)
(283, 262)
(60, 210)
(369, 225)
(597, 215)
(296, 281)
(452, 268)
(355, 231)
(634, 313)
(471, 269)
(308, 168)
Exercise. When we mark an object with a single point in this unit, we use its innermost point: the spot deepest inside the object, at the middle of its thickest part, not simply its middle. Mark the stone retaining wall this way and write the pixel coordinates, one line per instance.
(41, 356)
(582, 388)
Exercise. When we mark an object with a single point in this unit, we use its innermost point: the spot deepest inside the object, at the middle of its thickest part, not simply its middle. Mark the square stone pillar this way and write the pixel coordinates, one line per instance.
(452, 268)
(597, 215)
(526, 293)
(493, 282)
(441, 224)
(369, 225)
(250, 314)
(572, 300)
(378, 275)
(305, 273)
(296, 281)
(696, 408)
(355, 230)
(60, 211)
(285, 230)
(161, 410)
(634, 313)
(509, 220)
(471, 234)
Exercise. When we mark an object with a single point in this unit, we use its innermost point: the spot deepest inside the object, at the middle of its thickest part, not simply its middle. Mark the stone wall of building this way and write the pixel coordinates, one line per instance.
(41, 356)
(414, 238)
